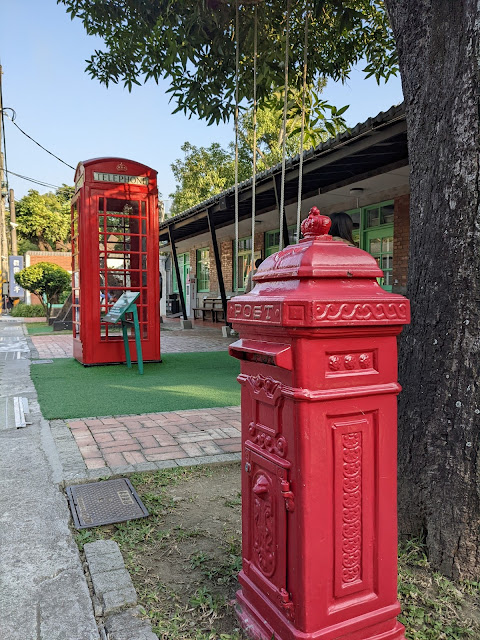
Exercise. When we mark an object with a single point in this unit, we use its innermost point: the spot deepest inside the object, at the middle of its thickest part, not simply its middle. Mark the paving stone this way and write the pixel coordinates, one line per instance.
(128, 625)
(188, 462)
(165, 464)
(128, 468)
(146, 466)
(110, 579)
(95, 474)
(103, 555)
(119, 599)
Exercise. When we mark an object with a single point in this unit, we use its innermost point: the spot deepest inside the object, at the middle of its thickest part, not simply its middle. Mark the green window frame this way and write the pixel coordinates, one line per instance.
(183, 266)
(272, 239)
(203, 270)
(244, 263)
(373, 232)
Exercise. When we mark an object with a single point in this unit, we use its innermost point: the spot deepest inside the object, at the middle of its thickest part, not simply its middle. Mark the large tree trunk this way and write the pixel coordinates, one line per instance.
(439, 425)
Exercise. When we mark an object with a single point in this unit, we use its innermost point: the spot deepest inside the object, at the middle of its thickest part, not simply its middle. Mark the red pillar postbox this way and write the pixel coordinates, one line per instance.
(114, 249)
(319, 384)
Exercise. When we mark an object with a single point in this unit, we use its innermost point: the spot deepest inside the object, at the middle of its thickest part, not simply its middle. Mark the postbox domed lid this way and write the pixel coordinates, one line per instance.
(318, 255)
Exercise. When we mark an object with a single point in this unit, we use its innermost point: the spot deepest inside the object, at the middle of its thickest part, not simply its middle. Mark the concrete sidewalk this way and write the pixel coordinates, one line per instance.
(44, 594)
(43, 589)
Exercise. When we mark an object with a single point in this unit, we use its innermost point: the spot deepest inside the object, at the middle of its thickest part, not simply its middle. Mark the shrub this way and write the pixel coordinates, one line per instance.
(22, 310)
(45, 280)
(64, 295)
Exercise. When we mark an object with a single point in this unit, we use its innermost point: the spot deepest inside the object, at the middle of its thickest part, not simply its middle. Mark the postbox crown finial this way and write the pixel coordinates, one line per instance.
(316, 224)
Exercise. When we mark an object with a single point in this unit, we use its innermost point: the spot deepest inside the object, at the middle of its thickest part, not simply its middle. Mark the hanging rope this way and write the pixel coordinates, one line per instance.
(302, 128)
(254, 159)
(284, 128)
(237, 66)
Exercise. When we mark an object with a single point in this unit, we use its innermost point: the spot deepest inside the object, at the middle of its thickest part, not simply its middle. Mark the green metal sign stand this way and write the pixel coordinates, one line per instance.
(126, 304)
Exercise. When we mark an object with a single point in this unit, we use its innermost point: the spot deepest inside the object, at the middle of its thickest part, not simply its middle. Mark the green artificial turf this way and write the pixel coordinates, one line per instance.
(67, 389)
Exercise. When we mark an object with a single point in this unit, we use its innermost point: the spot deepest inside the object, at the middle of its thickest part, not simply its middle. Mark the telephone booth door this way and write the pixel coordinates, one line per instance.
(114, 250)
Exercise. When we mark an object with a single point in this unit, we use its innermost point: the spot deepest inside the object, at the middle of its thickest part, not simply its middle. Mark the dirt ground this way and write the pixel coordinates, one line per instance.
(184, 560)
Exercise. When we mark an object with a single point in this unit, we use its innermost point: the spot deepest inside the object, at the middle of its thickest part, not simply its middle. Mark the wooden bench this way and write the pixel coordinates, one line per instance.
(205, 312)
(212, 309)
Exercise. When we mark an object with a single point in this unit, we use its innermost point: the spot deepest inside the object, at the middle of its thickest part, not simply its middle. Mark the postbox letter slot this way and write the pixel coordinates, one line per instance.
(279, 355)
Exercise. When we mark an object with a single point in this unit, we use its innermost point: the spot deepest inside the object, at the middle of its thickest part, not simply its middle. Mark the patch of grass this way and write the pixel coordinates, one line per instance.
(43, 328)
(433, 607)
(197, 608)
(200, 543)
(234, 502)
(66, 389)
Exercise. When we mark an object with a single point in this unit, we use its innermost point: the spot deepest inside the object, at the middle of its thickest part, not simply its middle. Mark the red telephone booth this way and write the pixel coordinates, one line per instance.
(114, 249)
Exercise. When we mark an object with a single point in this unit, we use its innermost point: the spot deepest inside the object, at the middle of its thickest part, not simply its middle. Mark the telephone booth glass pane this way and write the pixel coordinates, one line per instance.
(122, 258)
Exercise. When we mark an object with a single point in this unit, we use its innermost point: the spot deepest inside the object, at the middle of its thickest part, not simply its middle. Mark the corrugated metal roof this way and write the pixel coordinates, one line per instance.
(385, 118)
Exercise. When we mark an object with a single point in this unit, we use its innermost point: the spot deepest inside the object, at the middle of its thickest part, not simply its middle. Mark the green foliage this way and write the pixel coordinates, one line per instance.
(207, 171)
(44, 280)
(193, 44)
(27, 311)
(24, 245)
(321, 121)
(64, 294)
(44, 220)
(203, 172)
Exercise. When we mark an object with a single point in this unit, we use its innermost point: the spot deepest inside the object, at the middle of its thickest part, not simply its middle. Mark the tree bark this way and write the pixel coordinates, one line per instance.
(439, 408)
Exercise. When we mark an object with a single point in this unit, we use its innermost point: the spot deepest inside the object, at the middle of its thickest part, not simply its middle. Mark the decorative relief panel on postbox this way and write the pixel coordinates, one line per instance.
(352, 508)
(265, 425)
(360, 311)
(268, 499)
(348, 362)
(264, 539)
(354, 514)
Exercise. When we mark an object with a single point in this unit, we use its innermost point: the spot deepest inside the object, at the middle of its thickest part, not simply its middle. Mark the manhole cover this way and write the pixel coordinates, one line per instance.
(106, 502)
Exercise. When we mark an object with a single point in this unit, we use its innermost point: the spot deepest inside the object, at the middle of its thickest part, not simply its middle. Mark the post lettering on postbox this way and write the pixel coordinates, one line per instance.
(262, 312)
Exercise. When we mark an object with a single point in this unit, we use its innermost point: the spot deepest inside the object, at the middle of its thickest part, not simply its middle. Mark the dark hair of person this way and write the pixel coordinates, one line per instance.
(258, 262)
(342, 226)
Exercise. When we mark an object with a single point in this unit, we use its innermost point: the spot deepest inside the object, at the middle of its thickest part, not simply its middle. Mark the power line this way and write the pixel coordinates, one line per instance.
(34, 180)
(4, 143)
(37, 143)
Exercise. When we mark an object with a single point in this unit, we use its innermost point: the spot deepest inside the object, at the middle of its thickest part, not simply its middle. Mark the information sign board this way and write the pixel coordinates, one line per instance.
(15, 265)
(116, 313)
(126, 304)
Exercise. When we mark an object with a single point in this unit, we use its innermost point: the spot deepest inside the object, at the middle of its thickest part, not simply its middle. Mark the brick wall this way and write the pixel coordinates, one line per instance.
(401, 226)
(226, 258)
(61, 258)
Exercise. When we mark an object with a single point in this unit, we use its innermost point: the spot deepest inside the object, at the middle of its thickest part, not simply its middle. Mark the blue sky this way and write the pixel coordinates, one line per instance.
(43, 56)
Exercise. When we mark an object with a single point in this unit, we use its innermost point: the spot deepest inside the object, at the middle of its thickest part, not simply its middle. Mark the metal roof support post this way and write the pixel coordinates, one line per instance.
(218, 263)
(277, 179)
(177, 271)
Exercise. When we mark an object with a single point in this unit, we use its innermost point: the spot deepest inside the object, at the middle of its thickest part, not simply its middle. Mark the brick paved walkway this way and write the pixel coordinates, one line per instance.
(171, 341)
(195, 436)
(121, 444)
(53, 346)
